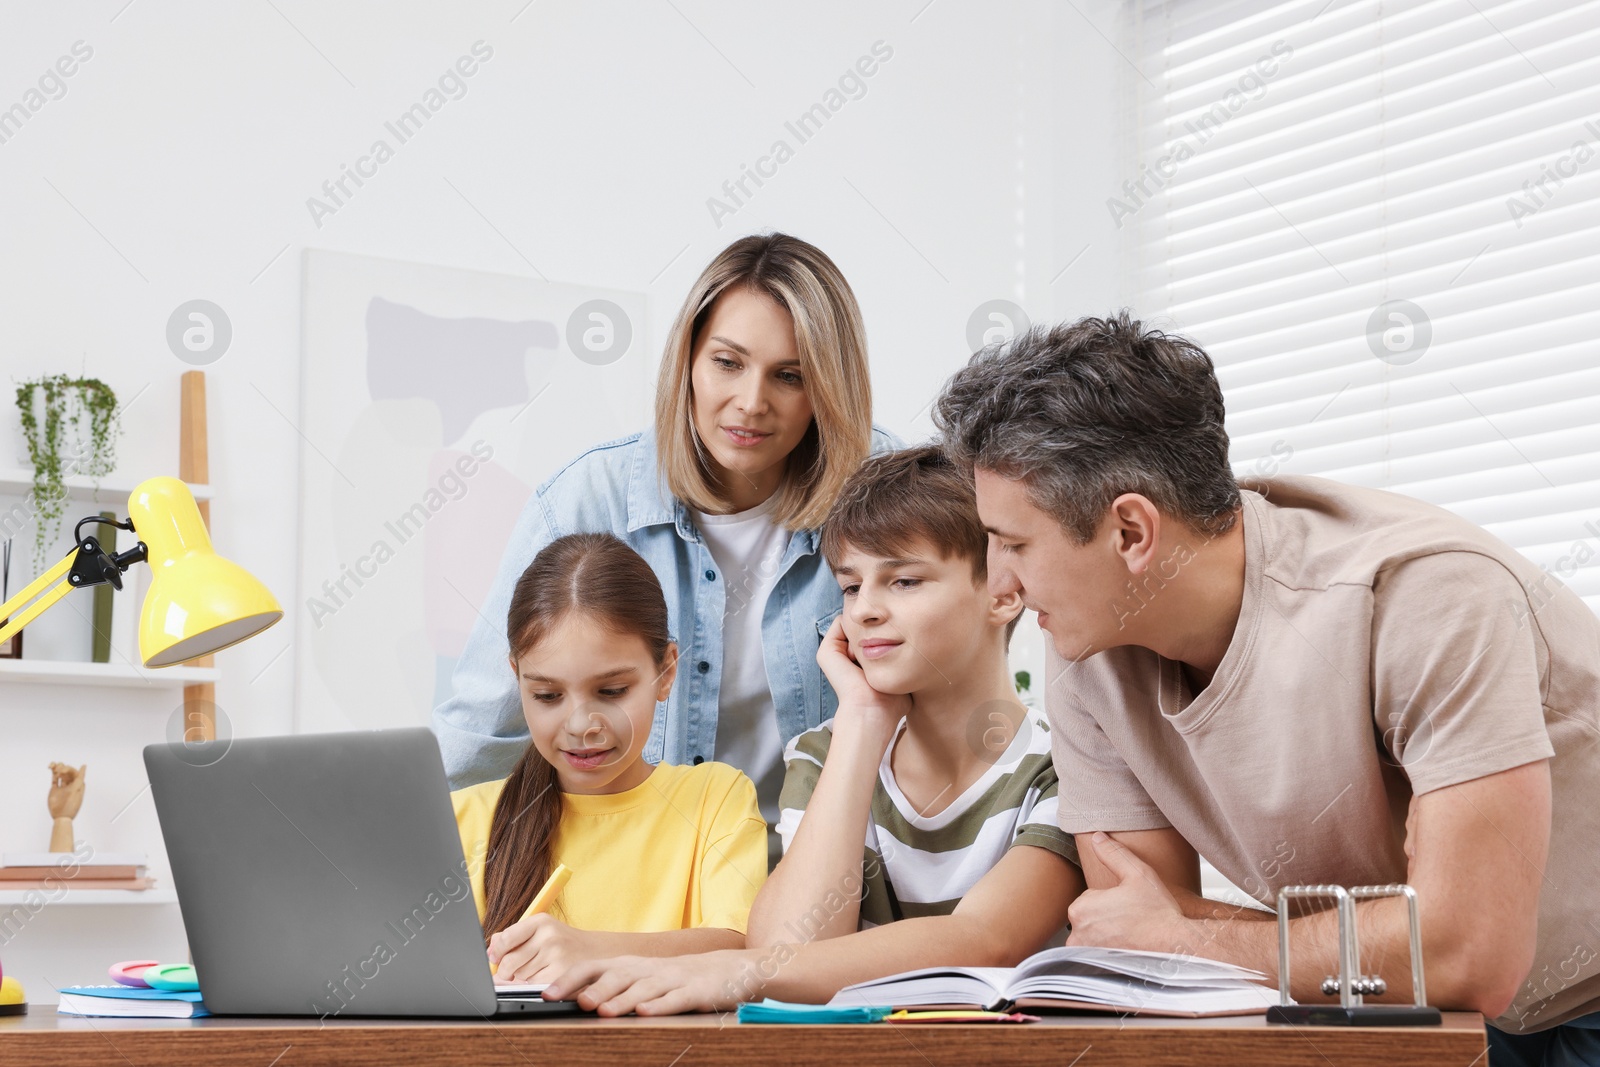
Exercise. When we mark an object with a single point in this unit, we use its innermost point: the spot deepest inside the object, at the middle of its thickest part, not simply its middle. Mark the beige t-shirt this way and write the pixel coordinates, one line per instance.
(1384, 647)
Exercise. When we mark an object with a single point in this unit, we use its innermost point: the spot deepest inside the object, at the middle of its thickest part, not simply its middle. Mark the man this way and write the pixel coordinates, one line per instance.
(1275, 675)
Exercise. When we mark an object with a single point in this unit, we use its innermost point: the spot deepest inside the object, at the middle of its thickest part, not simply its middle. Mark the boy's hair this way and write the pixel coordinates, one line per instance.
(599, 575)
(1086, 411)
(895, 498)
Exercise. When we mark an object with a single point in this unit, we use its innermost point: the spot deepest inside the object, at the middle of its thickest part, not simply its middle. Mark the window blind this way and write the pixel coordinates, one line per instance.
(1382, 220)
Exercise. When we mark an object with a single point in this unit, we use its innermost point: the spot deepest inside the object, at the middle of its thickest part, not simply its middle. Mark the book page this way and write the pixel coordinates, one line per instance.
(519, 989)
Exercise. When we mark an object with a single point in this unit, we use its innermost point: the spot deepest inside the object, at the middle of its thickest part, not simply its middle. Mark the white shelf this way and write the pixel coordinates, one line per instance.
(114, 490)
(10, 897)
(123, 675)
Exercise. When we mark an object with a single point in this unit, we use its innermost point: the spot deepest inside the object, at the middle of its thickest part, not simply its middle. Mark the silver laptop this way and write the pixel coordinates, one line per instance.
(322, 875)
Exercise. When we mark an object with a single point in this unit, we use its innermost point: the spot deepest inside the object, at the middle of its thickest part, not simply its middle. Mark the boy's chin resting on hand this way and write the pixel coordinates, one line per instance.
(652, 985)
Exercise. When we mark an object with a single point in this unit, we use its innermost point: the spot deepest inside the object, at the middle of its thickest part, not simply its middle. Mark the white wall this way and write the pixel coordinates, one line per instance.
(178, 165)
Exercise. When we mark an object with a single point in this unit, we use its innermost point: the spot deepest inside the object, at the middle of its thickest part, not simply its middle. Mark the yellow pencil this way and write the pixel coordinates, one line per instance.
(545, 897)
(551, 889)
(903, 1016)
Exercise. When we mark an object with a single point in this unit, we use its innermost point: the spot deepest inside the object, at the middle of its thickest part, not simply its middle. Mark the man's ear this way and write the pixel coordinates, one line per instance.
(669, 672)
(1133, 523)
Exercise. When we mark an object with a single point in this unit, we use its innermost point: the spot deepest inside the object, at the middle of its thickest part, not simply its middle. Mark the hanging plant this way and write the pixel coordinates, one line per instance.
(93, 458)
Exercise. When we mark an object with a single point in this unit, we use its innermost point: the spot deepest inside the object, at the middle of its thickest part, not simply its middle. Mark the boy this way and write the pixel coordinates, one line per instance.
(919, 822)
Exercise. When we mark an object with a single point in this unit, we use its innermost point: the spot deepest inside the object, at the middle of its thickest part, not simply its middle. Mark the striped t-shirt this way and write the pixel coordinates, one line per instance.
(916, 866)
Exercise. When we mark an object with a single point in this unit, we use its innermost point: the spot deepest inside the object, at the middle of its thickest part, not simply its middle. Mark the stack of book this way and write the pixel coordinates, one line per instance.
(126, 1002)
(57, 870)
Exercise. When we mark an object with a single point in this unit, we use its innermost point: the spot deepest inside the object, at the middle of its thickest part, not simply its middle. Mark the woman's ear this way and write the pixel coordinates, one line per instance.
(515, 671)
(668, 673)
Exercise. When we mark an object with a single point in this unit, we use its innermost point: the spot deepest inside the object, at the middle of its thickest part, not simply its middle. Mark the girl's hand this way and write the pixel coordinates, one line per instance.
(538, 948)
(858, 701)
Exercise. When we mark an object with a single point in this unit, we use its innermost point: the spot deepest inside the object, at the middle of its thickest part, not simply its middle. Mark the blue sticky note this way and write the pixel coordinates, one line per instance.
(777, 1011)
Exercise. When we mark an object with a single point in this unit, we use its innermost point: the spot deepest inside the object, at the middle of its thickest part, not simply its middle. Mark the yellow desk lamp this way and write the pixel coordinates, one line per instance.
(198, 603)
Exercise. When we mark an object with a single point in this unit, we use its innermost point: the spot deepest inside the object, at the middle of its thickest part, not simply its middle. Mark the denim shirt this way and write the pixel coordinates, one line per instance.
(617, 487)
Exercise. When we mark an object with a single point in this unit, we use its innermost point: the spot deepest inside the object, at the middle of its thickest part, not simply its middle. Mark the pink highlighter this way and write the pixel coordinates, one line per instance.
(129, 972)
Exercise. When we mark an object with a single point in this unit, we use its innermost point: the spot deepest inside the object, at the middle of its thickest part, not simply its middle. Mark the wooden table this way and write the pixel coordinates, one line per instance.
(52, 1040)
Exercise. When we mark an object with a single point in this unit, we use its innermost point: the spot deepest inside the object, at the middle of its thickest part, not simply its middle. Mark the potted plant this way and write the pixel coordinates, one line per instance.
(1024, 682)
(68, 425)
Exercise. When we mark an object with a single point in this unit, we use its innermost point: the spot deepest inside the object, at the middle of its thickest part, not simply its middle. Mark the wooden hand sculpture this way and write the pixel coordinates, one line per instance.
(66, 797)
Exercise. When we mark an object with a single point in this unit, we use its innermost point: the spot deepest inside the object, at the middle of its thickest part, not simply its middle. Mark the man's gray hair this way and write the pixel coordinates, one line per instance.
(1085, 412)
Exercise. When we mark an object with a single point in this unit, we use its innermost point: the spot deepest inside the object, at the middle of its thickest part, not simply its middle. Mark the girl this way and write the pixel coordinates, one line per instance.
(665, 859)
(763, 408)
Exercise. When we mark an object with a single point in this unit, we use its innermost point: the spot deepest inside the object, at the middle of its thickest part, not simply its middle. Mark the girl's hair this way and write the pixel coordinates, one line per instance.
(599, 575)
(833, 366)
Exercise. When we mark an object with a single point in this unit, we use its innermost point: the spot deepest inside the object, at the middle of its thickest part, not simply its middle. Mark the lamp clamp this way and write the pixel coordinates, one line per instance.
(93, 565)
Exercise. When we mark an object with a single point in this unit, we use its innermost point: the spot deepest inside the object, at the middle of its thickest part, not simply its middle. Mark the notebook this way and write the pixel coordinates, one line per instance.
(59, 882)
(1078, 979)
(83, 870)
(128, 1002)
(519, 989)
(59, 860)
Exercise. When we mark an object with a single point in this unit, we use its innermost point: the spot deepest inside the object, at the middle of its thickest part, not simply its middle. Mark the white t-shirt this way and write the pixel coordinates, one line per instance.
(748, 548)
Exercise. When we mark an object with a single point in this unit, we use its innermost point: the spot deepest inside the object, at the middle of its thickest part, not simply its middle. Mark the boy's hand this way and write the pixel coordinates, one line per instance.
(856, 695)
(538, 948)
(662, 985)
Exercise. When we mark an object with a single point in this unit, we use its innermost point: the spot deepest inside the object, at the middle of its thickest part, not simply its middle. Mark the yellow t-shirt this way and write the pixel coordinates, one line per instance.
(685, 848)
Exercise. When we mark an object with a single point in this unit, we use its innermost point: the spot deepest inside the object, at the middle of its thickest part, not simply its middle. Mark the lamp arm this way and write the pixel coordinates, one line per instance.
(15, 620)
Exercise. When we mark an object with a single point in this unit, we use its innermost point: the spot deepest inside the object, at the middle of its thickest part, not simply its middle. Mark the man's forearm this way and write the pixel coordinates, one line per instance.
(1237, 936)
(1200, 907)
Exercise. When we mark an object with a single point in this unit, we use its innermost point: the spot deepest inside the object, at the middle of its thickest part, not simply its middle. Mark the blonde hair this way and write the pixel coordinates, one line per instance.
(833, 365)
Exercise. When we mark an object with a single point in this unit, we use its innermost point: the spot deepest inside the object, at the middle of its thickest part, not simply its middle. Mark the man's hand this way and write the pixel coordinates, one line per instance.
(1139, 911)
(537, 948)
(707, 981)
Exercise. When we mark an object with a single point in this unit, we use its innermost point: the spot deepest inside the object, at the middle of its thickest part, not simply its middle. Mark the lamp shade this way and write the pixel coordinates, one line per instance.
(198, 603)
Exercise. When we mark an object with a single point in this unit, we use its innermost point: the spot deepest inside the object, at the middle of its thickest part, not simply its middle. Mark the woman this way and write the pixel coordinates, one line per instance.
(763, 409)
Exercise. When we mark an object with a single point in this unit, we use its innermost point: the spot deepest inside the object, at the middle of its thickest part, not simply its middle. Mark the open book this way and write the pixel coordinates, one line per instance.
(1078, 979)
